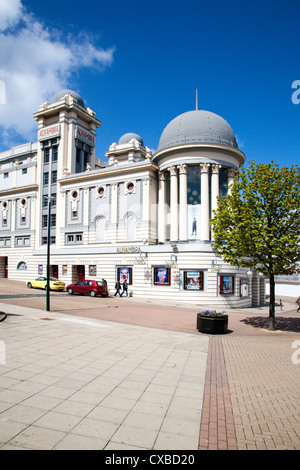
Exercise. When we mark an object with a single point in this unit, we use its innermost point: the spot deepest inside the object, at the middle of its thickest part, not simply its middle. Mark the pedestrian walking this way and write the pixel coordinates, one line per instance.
(118, 287)
(125, 289)
(298, 303)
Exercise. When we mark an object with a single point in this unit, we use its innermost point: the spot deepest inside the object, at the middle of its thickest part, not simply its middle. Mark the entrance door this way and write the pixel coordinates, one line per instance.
(6, 267)
(54, 269)
(80, 272)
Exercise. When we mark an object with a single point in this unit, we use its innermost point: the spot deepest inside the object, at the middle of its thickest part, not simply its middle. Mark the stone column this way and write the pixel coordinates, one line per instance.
(183, 215)
(161, 207)
(204, 234)
(231, 172)
(114, 210)
(214, 186)
(174, 203)
(255, 290)
(214, 190)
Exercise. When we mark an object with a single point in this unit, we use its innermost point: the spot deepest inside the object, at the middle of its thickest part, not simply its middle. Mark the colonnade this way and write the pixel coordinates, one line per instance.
(179, 203)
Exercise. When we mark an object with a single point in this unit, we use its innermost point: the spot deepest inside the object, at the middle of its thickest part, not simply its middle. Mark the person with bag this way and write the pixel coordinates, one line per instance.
(117, 287)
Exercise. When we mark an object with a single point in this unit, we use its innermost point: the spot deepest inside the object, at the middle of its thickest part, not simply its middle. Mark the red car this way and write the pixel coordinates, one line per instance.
(92, 288)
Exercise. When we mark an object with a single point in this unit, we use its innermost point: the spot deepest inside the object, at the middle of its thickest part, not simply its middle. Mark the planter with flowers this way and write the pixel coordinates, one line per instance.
(212, 321)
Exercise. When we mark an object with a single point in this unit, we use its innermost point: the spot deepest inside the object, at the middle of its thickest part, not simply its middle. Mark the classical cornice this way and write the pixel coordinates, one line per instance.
(201, 146)
(16, 190)
(108, 172)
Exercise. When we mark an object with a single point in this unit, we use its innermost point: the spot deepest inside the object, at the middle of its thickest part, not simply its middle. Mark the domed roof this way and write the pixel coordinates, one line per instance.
(60, 94)
(126, 138)
(197, 127)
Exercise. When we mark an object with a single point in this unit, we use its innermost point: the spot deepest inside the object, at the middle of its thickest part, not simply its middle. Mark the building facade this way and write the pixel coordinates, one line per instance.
(140, 216)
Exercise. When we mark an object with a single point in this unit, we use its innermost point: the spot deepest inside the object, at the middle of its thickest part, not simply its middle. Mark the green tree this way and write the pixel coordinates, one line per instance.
(258, 225)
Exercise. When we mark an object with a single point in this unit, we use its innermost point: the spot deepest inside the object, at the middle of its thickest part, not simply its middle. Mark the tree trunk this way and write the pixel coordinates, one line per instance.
(272, 303)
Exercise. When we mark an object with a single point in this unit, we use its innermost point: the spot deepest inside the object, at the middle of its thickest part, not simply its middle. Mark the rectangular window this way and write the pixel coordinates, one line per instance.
(54, 154)
(53, 220)
(5, 175)
(193, 280)
(24, 171)
(44, 221)
(46, 177)
(53, 177)
(53, 200)
(226, 285)
(74, 238)
(46, 155)
(161, 276)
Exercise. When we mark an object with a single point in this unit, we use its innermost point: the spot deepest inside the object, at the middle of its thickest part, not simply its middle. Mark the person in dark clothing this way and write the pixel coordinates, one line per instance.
(125, 289)
(117, 287)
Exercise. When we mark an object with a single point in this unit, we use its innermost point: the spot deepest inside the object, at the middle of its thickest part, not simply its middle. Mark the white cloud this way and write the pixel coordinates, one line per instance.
(10, 11)
(35, 63)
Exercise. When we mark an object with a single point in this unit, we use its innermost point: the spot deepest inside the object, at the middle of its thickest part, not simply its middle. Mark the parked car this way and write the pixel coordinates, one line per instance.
(91, 288)
(41, 282)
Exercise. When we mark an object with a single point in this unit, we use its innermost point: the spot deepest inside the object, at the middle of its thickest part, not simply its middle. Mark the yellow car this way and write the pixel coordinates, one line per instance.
(41, 282)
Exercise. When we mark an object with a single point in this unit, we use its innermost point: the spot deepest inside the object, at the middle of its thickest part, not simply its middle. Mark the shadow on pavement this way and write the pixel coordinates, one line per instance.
(290, 324)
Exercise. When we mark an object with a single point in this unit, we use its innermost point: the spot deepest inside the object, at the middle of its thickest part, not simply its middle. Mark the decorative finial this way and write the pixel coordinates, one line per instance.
(196, 100)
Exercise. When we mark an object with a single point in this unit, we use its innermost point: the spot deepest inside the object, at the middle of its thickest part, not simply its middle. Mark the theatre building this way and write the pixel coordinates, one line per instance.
(138, 215)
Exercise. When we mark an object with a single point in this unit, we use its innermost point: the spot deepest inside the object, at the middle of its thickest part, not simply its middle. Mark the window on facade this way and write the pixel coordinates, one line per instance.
(44, 220)
(74, 238)
(53, 200)
(24, 171)
(22, 266)
(52, 240)
(46, 177)
(46, 155)
(5, 242)
(53, 220)
(5, 175)
(53, 177)
(54, 154)
(22, 241)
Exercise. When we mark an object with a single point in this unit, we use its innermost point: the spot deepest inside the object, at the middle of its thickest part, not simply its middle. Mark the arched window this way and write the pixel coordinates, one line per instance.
(130, 225)
(100, 229)
(22, 266)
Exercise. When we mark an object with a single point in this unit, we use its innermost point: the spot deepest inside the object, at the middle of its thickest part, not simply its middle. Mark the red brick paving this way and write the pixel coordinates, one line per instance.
(217, 430)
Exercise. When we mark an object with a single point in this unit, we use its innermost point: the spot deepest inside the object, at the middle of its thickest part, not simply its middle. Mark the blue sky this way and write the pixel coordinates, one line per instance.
(138, 65)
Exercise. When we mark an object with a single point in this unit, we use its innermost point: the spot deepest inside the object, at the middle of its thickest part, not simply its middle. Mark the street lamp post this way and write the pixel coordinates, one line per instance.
(48, 257)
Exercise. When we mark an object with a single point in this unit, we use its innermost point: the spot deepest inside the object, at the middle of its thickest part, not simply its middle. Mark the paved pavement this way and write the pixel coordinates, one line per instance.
(127, 374)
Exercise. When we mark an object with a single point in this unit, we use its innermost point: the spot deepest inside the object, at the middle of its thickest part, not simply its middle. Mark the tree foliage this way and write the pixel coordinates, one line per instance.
(258, 224)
